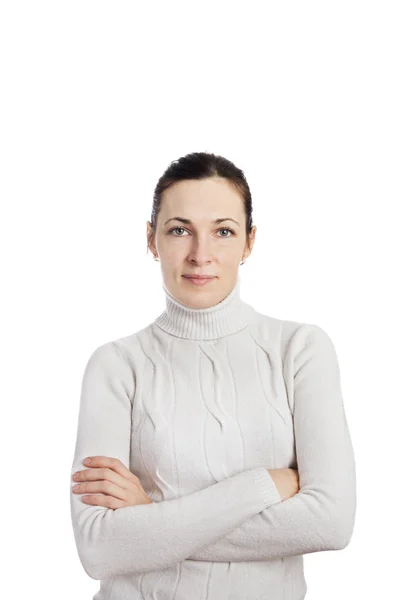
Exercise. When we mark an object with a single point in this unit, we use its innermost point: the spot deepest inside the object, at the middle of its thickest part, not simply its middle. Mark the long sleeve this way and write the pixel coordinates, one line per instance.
(147, 537)
(321, 515)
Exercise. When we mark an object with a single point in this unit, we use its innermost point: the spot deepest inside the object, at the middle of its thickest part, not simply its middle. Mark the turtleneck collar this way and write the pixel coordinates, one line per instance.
(226, 317)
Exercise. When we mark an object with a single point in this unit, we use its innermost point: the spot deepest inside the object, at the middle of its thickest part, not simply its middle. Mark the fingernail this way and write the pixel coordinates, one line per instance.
(87, 461)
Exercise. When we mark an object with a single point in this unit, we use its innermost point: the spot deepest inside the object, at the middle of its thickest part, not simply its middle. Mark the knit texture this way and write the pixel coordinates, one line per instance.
(199, 405)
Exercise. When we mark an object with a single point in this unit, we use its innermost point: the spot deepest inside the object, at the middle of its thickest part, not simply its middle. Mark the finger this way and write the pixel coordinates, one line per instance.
(107, 501)
(104, 473)
(113, 463)
(104, 487)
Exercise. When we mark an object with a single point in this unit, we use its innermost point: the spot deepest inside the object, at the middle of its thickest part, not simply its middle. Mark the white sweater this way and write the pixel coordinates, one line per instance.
(199, 404)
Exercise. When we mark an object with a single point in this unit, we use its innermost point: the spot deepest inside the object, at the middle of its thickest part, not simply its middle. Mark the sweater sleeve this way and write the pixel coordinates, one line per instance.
(146, 537)
(321, 515)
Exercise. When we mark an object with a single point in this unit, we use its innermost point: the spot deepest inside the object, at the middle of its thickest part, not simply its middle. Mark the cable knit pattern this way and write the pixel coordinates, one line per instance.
(200, 404)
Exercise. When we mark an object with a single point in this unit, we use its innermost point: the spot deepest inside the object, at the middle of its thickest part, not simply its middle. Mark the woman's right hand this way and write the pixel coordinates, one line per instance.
(287, 482)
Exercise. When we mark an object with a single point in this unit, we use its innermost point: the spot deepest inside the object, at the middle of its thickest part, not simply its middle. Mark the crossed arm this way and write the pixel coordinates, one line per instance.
(241, 518)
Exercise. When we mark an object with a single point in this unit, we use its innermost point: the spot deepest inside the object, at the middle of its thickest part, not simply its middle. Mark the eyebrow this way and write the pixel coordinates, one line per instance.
(189, 222)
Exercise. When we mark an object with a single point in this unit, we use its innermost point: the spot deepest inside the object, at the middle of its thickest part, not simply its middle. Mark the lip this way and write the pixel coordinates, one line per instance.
(199, 280)
(199, 276)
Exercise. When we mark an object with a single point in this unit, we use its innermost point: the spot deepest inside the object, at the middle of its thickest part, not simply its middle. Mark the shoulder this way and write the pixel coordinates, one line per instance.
(125, 351)
(291, 336)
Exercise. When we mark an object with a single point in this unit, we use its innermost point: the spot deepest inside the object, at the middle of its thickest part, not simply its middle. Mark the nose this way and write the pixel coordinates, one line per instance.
(201, 251)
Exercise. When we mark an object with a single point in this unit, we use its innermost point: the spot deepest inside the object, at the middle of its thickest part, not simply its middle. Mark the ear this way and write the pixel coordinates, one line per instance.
(150, 238)
(250, 243)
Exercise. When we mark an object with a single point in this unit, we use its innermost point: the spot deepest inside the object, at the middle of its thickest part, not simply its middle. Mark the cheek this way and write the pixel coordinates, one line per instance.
(174, 255)
(230, 255)
(171, 251)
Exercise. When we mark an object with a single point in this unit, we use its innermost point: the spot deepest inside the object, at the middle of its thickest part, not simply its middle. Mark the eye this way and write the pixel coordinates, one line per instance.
(221, 229)
(174, 229)
(226, 229)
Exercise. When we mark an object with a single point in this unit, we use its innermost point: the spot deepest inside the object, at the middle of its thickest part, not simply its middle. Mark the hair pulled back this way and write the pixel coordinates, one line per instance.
(201, 165)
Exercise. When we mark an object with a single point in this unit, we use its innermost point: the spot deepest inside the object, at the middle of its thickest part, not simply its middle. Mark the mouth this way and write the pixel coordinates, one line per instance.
(199, 276)
(199, 279)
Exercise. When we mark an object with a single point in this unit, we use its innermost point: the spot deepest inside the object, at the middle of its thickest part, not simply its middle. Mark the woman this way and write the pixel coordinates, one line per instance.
(220, 451)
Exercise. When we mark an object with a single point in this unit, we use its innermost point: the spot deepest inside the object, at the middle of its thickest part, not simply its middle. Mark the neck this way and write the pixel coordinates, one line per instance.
(226, 317)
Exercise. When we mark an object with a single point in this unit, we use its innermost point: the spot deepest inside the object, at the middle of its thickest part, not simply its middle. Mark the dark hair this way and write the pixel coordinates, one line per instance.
(201, 165)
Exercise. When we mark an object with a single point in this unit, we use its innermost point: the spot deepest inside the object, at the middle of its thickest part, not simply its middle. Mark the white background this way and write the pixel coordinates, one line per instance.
(97, 98)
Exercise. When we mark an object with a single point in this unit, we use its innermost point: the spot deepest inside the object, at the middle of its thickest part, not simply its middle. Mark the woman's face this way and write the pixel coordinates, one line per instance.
(201, 246)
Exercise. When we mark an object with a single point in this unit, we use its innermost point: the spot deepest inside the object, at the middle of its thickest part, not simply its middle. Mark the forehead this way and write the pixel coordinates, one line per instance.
(198, 196)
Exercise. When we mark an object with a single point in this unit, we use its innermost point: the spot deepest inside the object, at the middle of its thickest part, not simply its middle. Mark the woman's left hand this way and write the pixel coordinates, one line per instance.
(110, 484)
